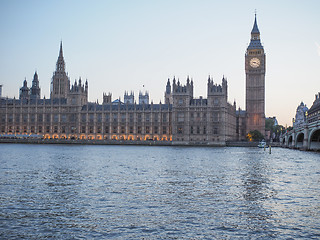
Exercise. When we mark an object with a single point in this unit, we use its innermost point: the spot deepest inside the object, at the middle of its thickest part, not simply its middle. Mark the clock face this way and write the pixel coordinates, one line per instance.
(254, 62)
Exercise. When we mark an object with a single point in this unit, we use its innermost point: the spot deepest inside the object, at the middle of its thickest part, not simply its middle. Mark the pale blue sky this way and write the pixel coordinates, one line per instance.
(122, 45)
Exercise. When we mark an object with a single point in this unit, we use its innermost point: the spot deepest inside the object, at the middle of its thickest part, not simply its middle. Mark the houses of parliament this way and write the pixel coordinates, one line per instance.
(180, 119)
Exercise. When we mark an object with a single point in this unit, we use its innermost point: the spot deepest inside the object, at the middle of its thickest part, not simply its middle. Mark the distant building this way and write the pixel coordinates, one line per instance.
(0, 91)
(181, 119)
(314, 111)
(301, 116)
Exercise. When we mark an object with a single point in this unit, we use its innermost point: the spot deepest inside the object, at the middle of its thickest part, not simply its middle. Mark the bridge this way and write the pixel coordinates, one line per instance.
(304, 137)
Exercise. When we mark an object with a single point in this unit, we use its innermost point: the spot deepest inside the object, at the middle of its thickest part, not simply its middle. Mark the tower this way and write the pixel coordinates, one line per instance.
(255, 67)
(60, 83)
(181, 98)
(167, 94)
(128, 99)
(143, 98)
(35, 88)
(24, 90)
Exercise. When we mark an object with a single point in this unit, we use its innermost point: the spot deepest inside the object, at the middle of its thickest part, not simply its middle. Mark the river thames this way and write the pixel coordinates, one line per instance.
(141, 192)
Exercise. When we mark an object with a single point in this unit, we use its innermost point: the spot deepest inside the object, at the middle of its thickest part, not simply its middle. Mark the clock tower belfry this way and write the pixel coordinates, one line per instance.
(255, 67)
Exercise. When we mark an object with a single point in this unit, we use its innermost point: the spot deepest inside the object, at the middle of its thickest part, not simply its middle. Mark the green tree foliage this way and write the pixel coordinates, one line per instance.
(255, 136)
(275, 130)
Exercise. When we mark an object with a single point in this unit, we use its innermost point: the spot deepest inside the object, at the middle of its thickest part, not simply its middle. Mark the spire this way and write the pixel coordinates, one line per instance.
(255, 42)
(61, 52)
(60, 61)
(35, 76)
(255, 29)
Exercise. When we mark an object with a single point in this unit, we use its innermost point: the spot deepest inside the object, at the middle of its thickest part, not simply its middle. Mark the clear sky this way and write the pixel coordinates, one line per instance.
(122, 45)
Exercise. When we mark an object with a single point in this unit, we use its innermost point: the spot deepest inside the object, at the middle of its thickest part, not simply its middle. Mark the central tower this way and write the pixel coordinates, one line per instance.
(255, 66)
(60, 83)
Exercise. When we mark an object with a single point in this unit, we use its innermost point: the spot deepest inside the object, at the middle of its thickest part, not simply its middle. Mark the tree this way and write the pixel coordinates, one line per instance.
(255, 136)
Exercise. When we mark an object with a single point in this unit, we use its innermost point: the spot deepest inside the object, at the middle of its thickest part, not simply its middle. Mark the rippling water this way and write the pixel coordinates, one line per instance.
(137, 192)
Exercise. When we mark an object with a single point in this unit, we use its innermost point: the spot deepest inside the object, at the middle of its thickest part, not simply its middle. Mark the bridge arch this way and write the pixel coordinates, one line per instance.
(299, 140)
(314, 140)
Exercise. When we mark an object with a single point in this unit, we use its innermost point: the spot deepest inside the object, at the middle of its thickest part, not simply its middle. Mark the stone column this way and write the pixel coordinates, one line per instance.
(306, 137)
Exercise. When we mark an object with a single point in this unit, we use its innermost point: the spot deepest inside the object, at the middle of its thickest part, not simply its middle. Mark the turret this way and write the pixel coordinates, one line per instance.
(167, 94)
(35, 89)
(24, 90)
(107, 98)
(143, 98)
(128, 98)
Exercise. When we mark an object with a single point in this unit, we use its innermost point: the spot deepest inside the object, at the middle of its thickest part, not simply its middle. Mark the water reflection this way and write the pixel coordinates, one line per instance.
(117, 192)
(256, 191)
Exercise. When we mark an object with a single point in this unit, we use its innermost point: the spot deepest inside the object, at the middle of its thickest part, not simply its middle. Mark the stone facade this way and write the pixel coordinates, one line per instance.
(182, 119)
(255, 67)
(300, 118)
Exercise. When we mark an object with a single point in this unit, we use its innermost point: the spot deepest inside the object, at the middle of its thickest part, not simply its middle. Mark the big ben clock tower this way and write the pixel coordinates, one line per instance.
(255, 65)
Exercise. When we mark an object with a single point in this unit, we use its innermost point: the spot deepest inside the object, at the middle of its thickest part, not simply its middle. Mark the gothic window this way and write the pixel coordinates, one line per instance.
(215, 130)
(55, 118)
(191, 130)
(115, 117)
(18, 129)
(147, 117)
(114, 129)
(215, 117)
(180, 130)
(17, 118)
(180, 102)
(106, 129)
(156, 117)
(139, 129)
(147, 129)
(63, 118)
(204, 130)
(63, 129)
(10, 118)
(198, 130)
(91, 118)
(99, 118)
(107, 117)
(156, 130)
(83, 118)
(91, 129)
(131, 129)
(40, 117)
(164, 130)
(32, 129)
(180, 117)
(123, 129)
(123, 117)
(25, 118)
(55, 129)
(83, 129)
(47, 129)
(164, 117)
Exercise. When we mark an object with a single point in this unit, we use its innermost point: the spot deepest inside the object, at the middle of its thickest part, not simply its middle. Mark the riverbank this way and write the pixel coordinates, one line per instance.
(124, 142)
